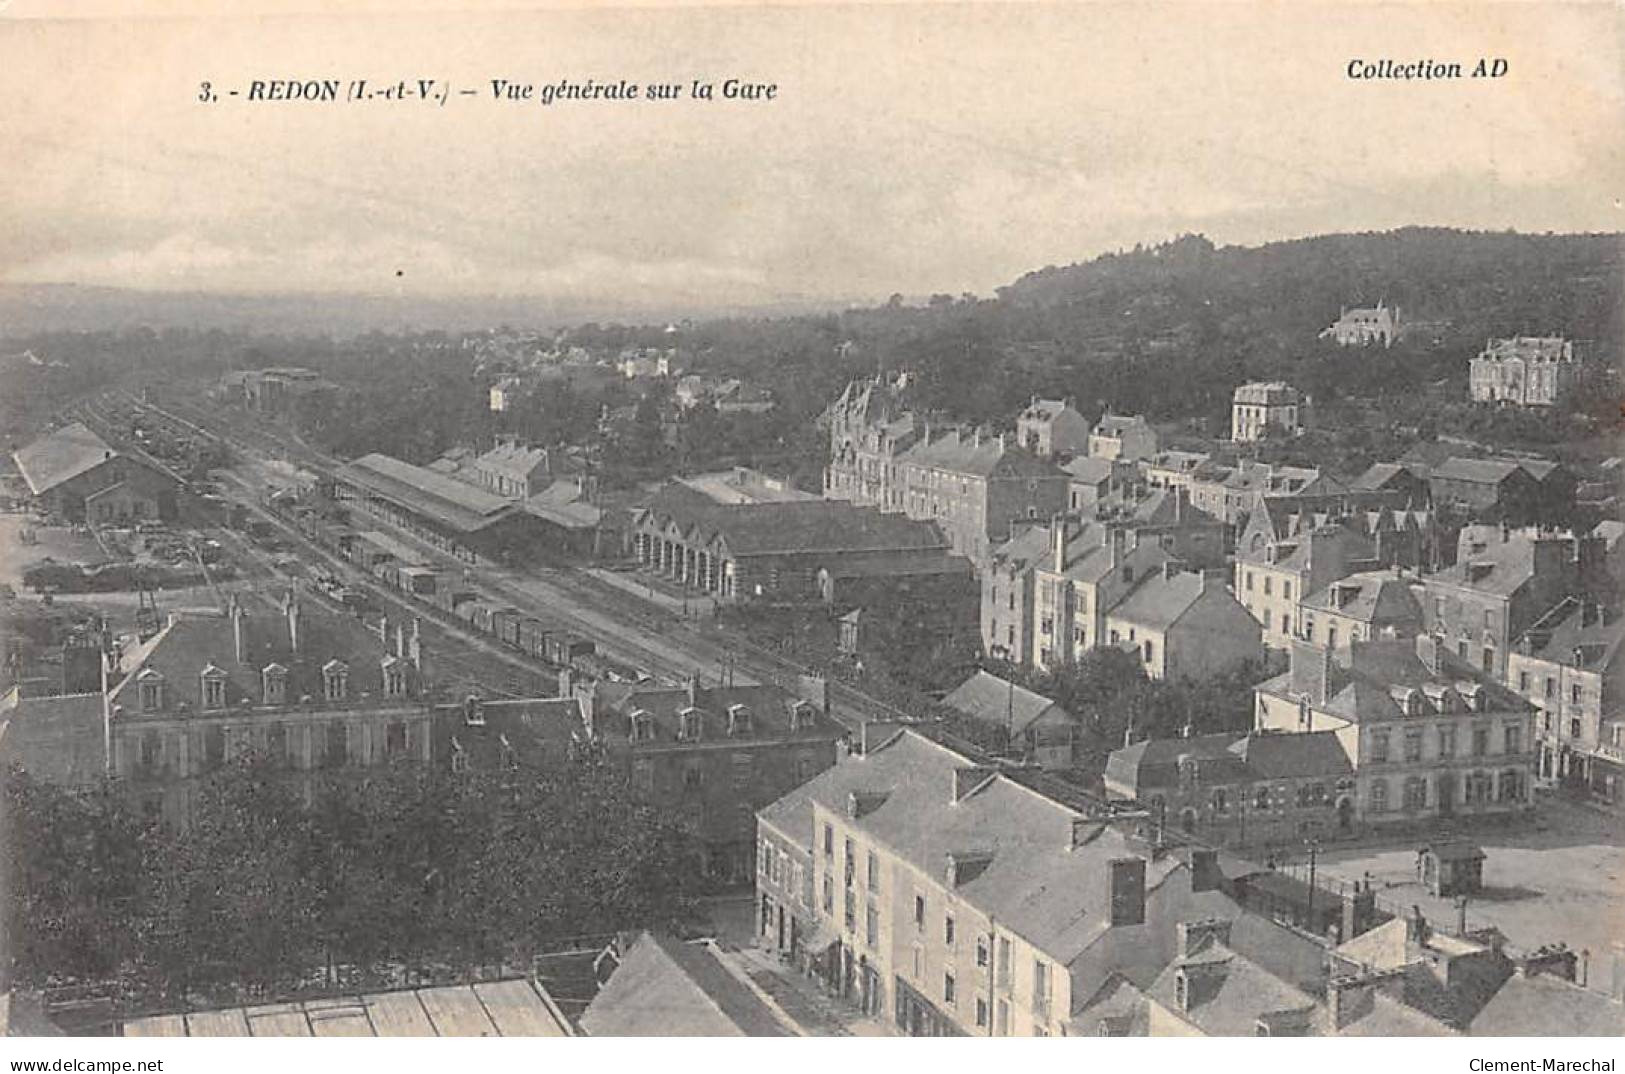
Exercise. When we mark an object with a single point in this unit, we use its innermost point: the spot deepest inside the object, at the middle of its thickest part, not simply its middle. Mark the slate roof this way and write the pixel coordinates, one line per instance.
(809, 526)
(1378, 474)
(1230, 992)
(1159, 602)
(1115, 425)
(1547, 1006)
(1377, 596)
(667, 988)
(769, 707)
(994, 701)
(55, 739)
(1289, 756)
(516, 461)
(1052, 896)
(977, 457)
(190, 643)
(1478, 471)
(426, 492)
(1088, 469)
(1227, 758)
(1044, 409)
(529, 731)
(1563, 633)
(60, 456)
(1363, 686)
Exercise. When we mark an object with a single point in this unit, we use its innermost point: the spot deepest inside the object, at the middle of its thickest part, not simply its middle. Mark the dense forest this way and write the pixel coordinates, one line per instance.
(410, 875)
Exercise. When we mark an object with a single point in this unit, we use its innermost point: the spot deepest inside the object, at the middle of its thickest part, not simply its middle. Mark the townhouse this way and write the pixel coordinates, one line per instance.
(1428, 734)
(1052, 427)
(1568, 666)
(977, 486)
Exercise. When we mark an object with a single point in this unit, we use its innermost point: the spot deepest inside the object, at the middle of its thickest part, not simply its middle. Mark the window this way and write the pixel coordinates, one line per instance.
(948, 989)
(919, 911)
(1249, 585)
(981, 952)
(871, 926)
(1447, 742)
(981, 1012)
(948, 930)
(1551, 686)
(1286, 589)
(335, 680)
(744, 769)
(1149, 652)
(214, 688)
(1002, 1026)
(1523, 682)
(1512, 739)
(872, 873)
(1379, 795)
(1040, 987)
(850, 862)
(693, 777)
(1511, 785)
(1574, 694)
(1481, 741)
(1267, 585)
(829, 894)
(1331, 635)
(1261, 798)
(1220, 801)
(1379, 747)
(829, 841)
(395, 738)
(643, 776)
(1574, 727)
(1413, 744)
(850, 911)
(1416, 793)
(338, 744)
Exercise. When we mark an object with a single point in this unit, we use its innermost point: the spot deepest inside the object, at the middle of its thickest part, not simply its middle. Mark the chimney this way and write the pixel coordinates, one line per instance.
(1115, 537)
(1126, 891)
(400, 640)
(1461, 915)
(239, 641)
(691, 687)
(1169, 569)
(1311, 670)
(1194, 935)
(293, 622)
(968, 777)
(1428, 651)
(1416, 926)
(1359, 910)
(1057, 542)
(1205, 874)
(1349, 998)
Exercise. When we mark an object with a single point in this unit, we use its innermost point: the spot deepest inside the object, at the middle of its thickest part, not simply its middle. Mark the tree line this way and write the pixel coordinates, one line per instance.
(408, 875)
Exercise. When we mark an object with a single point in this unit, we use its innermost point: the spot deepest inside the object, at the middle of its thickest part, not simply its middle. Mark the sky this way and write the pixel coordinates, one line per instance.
(910, 148)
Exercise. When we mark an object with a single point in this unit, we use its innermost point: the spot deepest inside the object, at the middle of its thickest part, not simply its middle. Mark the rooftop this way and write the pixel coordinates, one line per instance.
(60, 456)
(510, 1008)
(424, 491)
(998, 702)
(667, 988)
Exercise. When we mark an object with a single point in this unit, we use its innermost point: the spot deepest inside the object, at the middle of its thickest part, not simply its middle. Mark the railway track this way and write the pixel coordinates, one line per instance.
(617, 623)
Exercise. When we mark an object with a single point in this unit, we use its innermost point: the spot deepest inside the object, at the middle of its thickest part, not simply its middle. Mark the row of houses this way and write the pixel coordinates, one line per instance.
(322, 697)
(952, 897)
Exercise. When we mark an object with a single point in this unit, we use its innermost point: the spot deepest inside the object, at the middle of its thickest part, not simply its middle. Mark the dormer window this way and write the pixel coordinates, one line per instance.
(739, 721)
(394, 677)
(801, 717)
(214, 687)
(151, 685)
(642, 726)
(274, 684)
(690, 725)
(335, 680)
